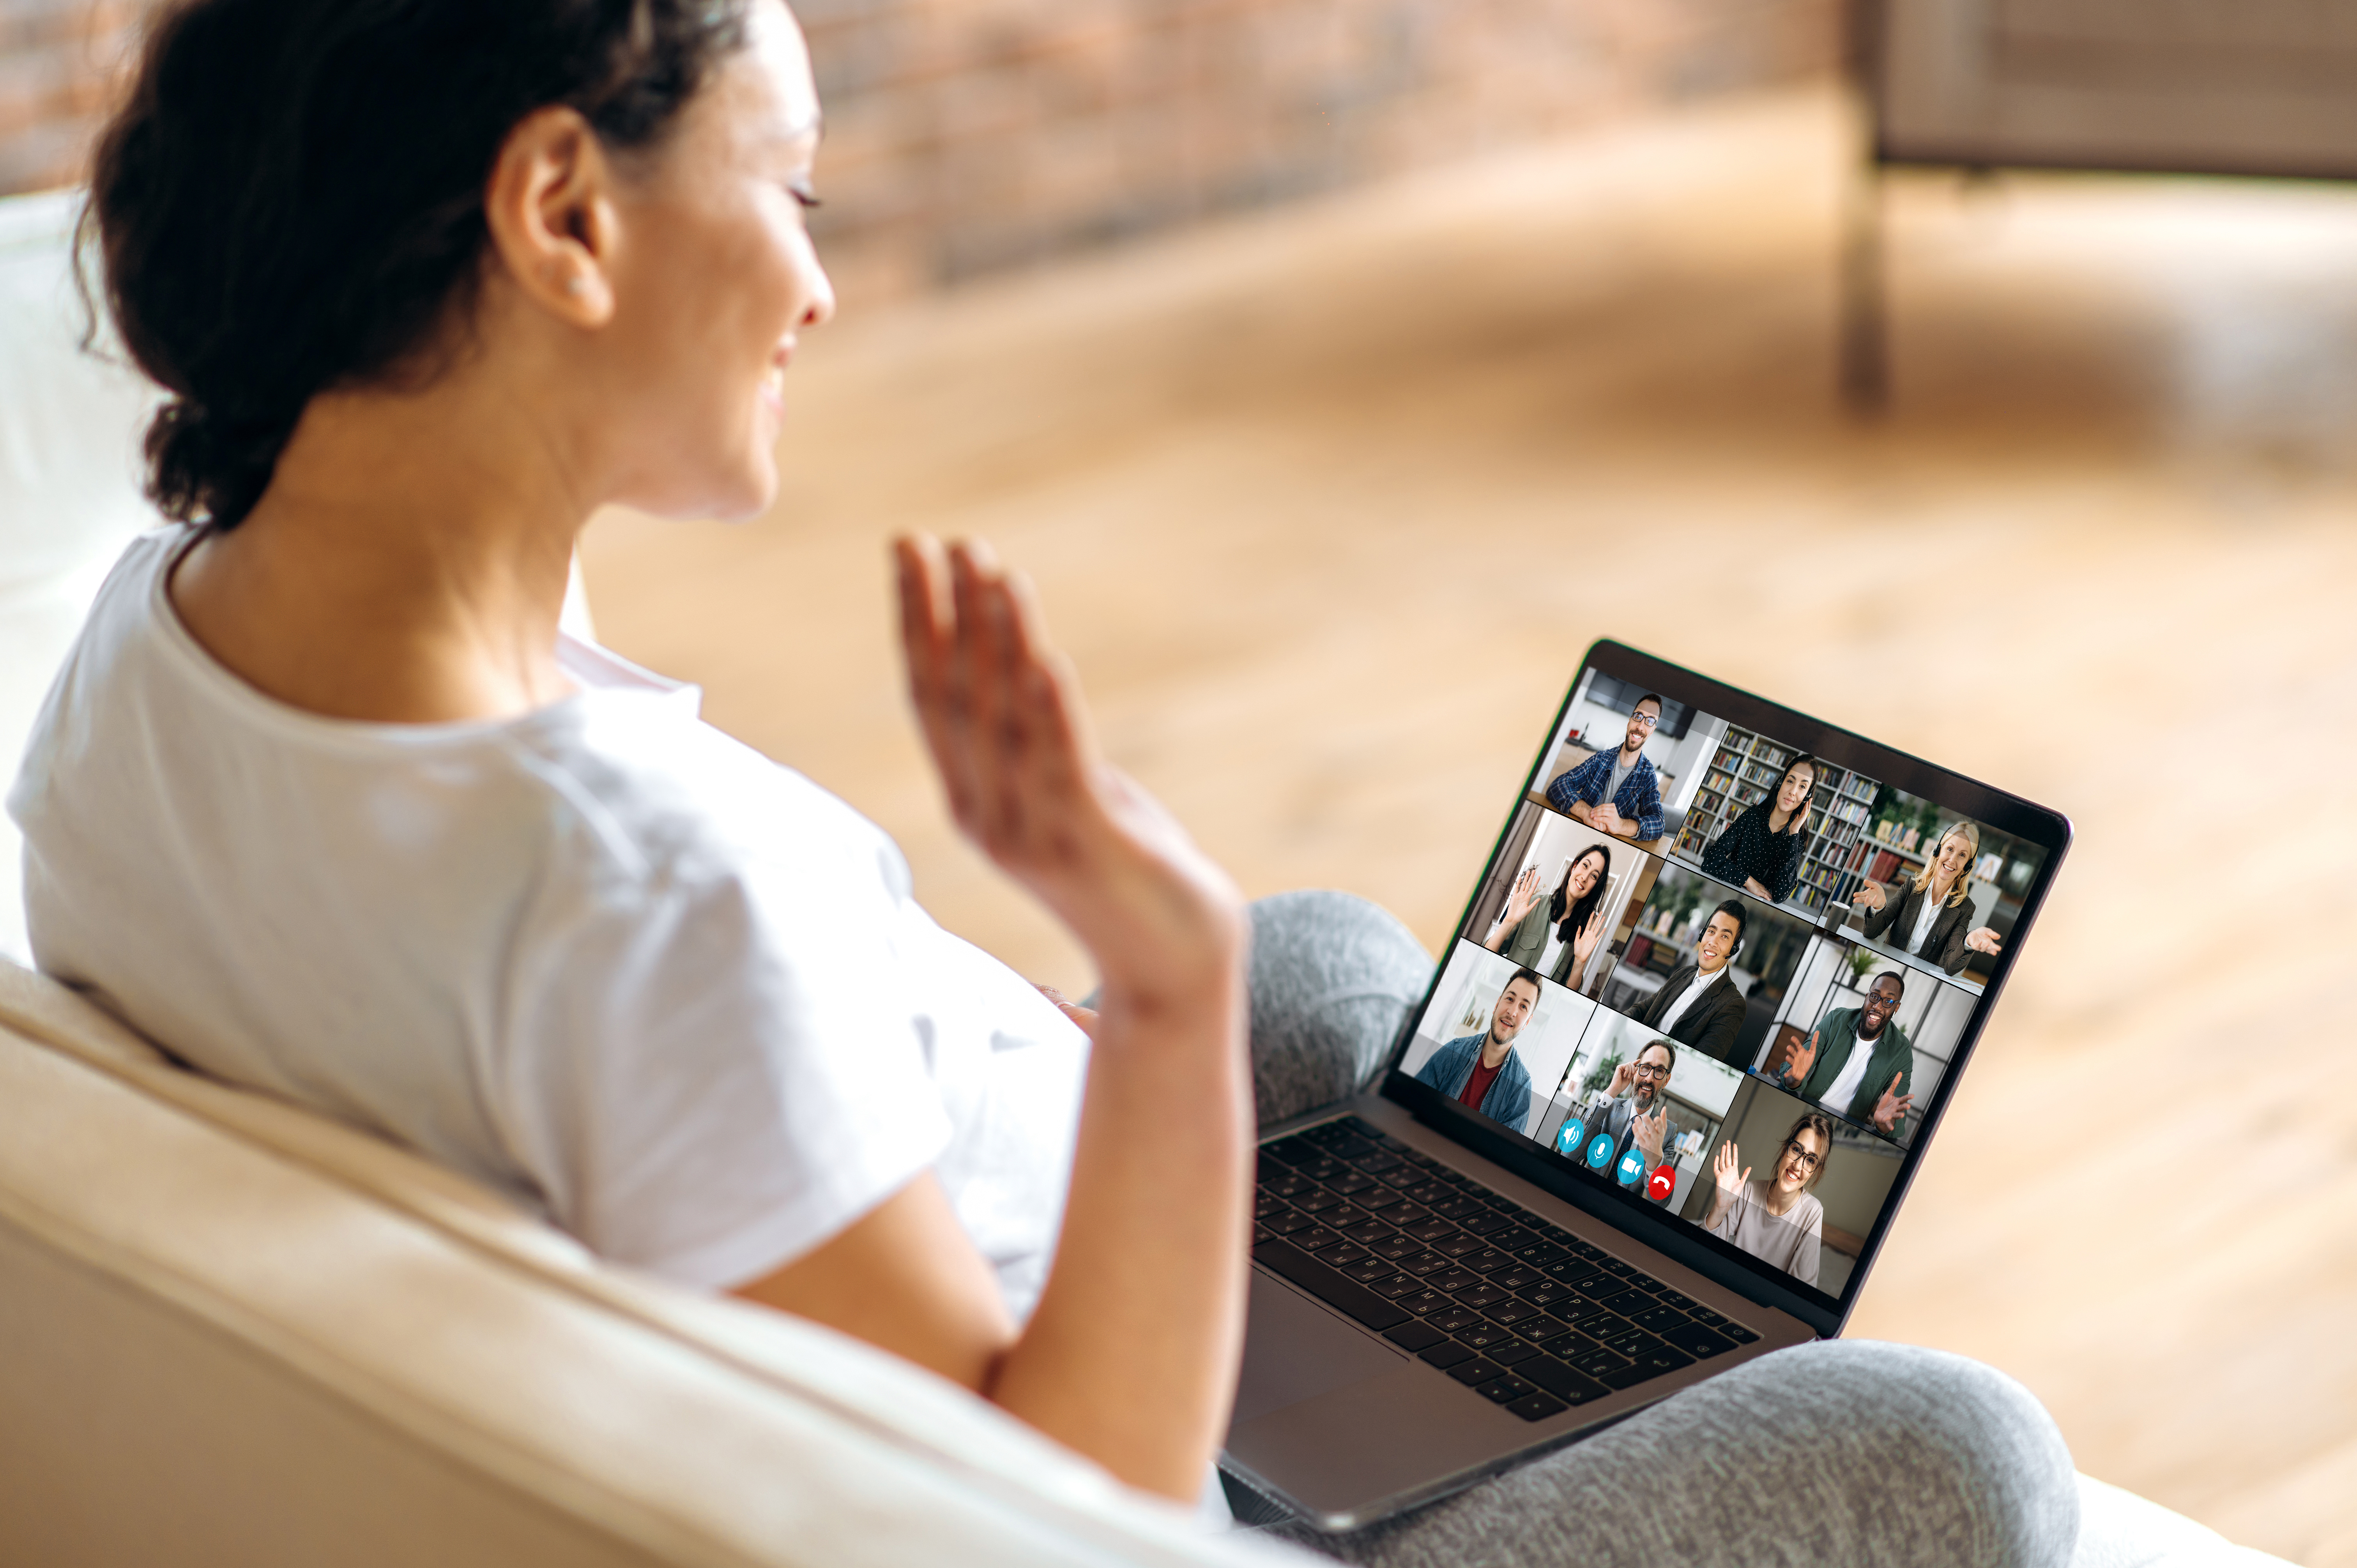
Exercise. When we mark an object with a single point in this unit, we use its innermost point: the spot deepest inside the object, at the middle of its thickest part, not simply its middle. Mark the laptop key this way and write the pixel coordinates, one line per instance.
(1489, 1260)
(1521, 1276)
(1662, 1359)
(1451, 1281)
(1397, 1248)
(1341, 1254)
(1698, 1341)
(1432, 1231)
(1400, 1287)
(1291, 1220)
(1484, 1336)
(1626, 1303)
(1564, 1382)
(1446, 1355)
(1370, 1271)
(1511, 1310)
(1428, 1191)
(1484, 1224)
(1461, 1245)
(1741, 1335)
(1512, 1353)
(1598, 1362)
(1660, 1319)
(1629, 1375)
(1535, 1407)
(1481, 1296)
(1412, 1335)
(1263, 1233)
(1539, 1254)
(1352, 1184)
(1367, 1231)
(1316, 1238)
(1477, 1370)
(1453, 1320)
(1347, 1296)
(1504, 1388)
(1631, 1343)
(1539, 1331)
(1425, 1264)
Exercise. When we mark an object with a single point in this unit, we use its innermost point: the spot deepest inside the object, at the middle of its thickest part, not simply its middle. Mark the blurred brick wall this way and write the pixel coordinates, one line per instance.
(968, 135)
(964, 135)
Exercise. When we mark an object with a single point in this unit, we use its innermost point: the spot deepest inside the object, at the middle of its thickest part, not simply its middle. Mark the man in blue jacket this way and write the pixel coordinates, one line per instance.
(1482, 1070)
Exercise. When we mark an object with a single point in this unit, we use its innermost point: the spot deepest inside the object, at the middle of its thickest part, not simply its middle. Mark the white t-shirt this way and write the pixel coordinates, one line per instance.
(1844, 1087)
(647, 983)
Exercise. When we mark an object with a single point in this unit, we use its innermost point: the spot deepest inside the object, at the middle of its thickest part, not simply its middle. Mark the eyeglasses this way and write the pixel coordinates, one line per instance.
(1650, 1069)
(1882, 1003)
(1806, 1158)
(1647, 720)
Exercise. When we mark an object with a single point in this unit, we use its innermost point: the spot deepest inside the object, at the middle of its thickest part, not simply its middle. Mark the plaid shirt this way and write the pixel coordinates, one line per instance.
(1639, 800)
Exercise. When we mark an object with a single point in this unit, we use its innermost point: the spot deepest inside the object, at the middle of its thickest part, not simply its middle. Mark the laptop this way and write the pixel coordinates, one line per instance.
(1654, 1118)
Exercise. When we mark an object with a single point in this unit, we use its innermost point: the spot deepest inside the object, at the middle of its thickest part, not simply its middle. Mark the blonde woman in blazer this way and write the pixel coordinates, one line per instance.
(1891, 912)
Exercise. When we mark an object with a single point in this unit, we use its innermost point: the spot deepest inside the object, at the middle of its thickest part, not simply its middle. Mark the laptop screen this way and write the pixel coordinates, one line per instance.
(1722, 967)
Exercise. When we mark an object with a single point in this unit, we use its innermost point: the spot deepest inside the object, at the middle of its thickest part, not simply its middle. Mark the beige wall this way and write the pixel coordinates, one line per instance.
(969, 135)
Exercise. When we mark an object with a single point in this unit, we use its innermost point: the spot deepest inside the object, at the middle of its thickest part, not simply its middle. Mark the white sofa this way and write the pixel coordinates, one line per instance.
(233, 1332)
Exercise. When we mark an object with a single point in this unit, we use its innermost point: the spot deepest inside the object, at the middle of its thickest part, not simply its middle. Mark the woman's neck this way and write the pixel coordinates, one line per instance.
(407, 565)
(1779, 1202)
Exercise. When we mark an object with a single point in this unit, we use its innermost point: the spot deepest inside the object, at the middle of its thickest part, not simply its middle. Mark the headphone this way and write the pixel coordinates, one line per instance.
(1734, 909)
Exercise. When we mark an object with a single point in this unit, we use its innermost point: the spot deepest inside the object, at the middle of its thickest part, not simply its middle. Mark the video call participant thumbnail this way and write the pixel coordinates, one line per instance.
(1699, 1005)
(1633, 1113)
(1930, 910)
(1617, 792)
(1481, 1071)
(1858, 1063)
(1573, 912)
(1776, 1220)
(1759, 851)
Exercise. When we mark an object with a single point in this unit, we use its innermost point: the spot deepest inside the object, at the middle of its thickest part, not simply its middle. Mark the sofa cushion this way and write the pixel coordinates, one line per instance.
(213, 1302)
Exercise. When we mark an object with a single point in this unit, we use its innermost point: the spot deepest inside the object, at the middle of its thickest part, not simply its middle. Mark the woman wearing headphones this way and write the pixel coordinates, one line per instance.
(1759, 851)
(1930, 911)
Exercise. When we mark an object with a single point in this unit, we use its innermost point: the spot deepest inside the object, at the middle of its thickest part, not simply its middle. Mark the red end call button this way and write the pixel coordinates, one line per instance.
(1662, 1183)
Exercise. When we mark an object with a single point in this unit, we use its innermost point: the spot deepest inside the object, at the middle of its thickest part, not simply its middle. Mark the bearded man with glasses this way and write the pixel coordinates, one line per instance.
(1858, 1063)
(1635, 1111)
(1616, 792)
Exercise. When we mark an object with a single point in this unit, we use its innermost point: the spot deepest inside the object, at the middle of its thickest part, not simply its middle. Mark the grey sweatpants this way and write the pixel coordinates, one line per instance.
(1841, 1452)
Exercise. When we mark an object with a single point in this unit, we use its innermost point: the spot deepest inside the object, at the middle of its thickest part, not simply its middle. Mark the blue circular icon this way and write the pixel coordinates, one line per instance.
(1567, 1138)
(1632, 1168)
(1600, 1151)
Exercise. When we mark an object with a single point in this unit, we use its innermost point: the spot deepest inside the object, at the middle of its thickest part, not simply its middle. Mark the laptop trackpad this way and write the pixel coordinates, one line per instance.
(1296, 1349)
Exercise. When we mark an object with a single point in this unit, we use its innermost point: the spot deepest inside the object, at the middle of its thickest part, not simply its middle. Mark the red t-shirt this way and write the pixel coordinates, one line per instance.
(1477, 1084)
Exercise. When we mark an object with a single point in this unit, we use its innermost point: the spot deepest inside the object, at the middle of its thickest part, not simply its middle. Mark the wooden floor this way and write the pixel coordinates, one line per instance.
(1328, 503)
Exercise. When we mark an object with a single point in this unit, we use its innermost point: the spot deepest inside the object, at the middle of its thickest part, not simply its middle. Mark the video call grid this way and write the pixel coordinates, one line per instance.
(1815, 949)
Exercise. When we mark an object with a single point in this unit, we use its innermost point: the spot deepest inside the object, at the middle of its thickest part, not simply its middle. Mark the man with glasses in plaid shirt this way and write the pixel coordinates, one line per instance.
(1615, 791)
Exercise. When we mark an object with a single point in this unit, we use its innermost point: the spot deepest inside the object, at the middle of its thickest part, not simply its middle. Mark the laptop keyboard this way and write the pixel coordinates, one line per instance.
(1519, 1311)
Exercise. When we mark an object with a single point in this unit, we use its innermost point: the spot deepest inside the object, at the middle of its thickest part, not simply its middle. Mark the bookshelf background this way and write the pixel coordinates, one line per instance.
(1746, 766)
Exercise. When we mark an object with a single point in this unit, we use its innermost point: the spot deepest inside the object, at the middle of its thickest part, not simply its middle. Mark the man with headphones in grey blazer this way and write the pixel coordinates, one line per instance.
(1699, 1005)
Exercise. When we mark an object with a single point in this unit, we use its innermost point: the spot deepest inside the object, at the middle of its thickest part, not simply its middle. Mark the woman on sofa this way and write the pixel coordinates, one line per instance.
(325, 802)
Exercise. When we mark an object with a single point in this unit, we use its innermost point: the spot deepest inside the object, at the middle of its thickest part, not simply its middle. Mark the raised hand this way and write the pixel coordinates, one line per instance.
(1584, 943)
(1525, 894)
(1804, 1057)
(1002, 715)
(1723, 1173)
(1984, 939)
(1869, 896)
(1891, 1106)
(1646, 1133)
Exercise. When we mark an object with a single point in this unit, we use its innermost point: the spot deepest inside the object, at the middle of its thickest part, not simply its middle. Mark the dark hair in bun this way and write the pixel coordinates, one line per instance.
(291, 199)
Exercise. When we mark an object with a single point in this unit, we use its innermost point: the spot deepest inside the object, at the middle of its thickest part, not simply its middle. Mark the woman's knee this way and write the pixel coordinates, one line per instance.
(1332, 977)
(1963, 1452)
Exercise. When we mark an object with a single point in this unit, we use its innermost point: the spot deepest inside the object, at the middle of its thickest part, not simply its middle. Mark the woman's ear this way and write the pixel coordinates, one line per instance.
(553, 217)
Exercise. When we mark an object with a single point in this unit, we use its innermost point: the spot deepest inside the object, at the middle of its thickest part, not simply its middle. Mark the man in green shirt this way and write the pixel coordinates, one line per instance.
(1857, 1064)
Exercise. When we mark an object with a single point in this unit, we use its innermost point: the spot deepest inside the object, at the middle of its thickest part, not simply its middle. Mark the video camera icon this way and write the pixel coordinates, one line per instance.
(1631, 1168)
